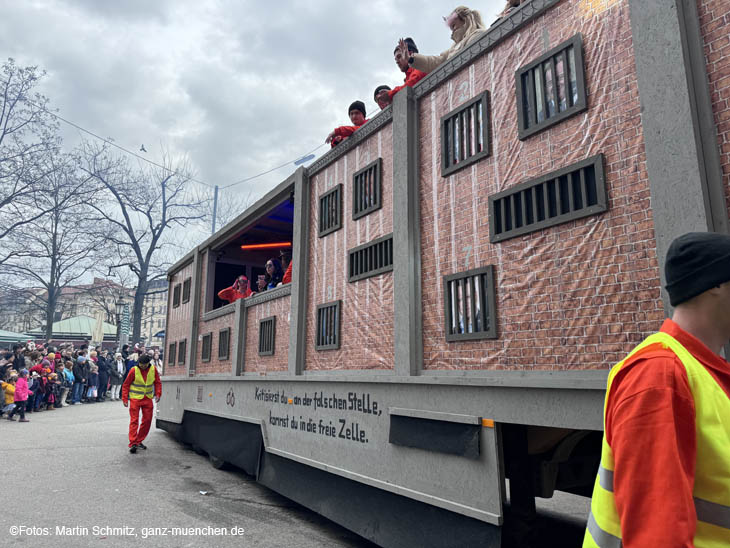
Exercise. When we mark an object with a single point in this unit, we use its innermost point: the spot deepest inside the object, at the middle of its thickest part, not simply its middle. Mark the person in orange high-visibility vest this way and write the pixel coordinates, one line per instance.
(141, 385)
(663, 479)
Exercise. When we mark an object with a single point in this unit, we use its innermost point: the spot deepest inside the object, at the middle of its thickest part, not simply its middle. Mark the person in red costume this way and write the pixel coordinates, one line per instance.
(141, 385)
(385, 96)
(357, 117)
(239, 290)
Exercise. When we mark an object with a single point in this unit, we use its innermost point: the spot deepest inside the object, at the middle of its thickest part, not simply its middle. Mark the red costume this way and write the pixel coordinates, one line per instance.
(412, 77)
(344, 131)
(287, 275)
(231, 294)
(138, 432)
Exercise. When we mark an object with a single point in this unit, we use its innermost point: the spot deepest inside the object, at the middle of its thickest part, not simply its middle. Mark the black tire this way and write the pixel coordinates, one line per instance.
(218, 464)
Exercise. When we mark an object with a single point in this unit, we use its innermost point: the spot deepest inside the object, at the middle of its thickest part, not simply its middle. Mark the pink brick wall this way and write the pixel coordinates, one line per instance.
(715, 29)
(578, 295)
(178, 320)
(215, 365)
(280, 360)
(367, 305)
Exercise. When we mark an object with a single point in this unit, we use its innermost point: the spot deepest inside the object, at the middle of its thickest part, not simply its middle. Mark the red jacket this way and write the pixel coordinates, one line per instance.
(412, 77)
(287, 275)
(345, 131)
(231, 295)
(130, 379)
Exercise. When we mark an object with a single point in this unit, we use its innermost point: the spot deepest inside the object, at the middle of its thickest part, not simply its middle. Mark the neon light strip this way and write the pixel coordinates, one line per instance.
(266, 246)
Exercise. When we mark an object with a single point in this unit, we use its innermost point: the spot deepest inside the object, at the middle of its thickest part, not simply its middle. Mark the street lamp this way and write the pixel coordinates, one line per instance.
(119, 309)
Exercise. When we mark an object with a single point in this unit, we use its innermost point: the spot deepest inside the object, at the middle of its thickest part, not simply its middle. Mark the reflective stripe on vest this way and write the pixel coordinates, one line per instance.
(712, 481)
(141, 388)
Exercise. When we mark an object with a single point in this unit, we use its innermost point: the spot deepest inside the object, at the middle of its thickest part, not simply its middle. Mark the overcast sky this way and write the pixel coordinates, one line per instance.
(239, 86)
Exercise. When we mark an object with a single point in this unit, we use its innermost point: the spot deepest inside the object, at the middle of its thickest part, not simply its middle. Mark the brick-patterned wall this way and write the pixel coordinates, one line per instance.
(578, 295)
(215, 365)
(178, 320)
(280, 360)
(367, 305)
(715, 28)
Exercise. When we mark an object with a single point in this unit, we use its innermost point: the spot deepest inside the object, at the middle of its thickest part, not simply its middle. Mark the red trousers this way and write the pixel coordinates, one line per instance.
(138, 432)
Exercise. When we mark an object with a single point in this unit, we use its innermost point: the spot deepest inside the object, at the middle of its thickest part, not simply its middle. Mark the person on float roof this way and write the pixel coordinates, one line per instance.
(357, 117)
(412, 75)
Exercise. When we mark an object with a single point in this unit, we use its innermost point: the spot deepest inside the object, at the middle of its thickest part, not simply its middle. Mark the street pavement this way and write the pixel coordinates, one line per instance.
(70, 469)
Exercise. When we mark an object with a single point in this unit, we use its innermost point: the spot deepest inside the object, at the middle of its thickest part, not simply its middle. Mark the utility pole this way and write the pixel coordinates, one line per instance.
(215, 207)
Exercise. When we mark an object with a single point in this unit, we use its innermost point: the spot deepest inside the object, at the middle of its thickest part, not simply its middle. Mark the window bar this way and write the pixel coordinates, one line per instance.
(541, 68)
(376, 190)
(535, 217)
(370, 179)
(464, 304)
(513, 210)
(454, 140)
(468, 130)
(483, 297)
(503, 203)
(583, 187)
(558, 198)
(473, 303)
(531, 117)
(523, 195)
(571, 194)
(556, 95)
(546, 199)
(445, 152)
(566, 77)
(480, 128)
(463, 130)
(450, 309)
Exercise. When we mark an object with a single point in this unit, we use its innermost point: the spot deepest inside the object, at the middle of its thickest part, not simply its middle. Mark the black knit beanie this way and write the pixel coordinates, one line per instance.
(379, 89)
(357, 105)
(696, 262)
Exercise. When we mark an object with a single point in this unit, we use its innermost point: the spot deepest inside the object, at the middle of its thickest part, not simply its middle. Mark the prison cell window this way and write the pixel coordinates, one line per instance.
(330, 211)
(370, 259)
(224, 337)
(366, 189)
(176, 296)
(205, 350)
(327, 336)
(551, 88)
(465, 134)
(469, 305)
(570, 193)
(267, 335)
(186, 290)
(181, 349)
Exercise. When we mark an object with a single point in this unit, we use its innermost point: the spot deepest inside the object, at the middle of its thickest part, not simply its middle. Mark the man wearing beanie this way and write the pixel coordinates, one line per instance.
(357, 117)
(412, 75)
(664, 478)
(382, 103)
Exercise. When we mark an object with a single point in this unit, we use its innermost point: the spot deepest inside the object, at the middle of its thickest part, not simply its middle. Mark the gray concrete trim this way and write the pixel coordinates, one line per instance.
(238, 342)
(470, 511)
(435, 415)
(182, 263)
(374, 125)
(359, 373)
(264, 204)
(300, 245)
(671, 90)
(230, 308)
(406, 236)
(268, 295)
(565, 380)
(705, 129)
(192, 346)
(518, 18)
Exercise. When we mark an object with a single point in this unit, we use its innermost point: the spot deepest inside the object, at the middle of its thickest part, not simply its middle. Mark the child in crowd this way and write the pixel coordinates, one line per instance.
(21, 396)
(51, 392)
(93, 383)
(34, 391)
(9, 390)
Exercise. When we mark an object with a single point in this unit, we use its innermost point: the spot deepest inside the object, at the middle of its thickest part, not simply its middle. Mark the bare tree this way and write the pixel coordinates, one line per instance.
(54, 250)
(28, 134)
(142, 209)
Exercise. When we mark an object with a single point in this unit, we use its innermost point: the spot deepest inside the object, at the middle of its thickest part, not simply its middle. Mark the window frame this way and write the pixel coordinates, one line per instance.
(270, 320)
(187, 283)
(227, 346)
(182, 345)
(576, 41)
(172, 354)
(388, 268)
(487, 144)
(337, 189)
(209, 338)
(338, 326)
(489, 293)
(176, 291)
(377, 165)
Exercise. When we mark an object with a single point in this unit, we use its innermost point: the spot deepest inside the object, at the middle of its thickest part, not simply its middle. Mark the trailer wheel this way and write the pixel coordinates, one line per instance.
(218, 464)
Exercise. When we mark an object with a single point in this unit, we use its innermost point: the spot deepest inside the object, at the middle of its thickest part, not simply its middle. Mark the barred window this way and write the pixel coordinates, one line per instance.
(469, 301)
(465, 135)
(176, 296)
(224, 337)
(171, 354)
(330, 211)
(181, 349)
(370, 259)
(206, 347)
(366, 189)
(186, 290)
(564, 195)
(267, 336)
(328, 326)
(551, 88)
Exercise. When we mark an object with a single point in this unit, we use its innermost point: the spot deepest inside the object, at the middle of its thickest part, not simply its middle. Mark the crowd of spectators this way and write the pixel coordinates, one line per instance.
(45, 377)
